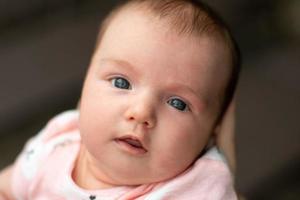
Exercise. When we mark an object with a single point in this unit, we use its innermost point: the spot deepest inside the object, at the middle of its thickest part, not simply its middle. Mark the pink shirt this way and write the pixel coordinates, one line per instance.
(43, 172)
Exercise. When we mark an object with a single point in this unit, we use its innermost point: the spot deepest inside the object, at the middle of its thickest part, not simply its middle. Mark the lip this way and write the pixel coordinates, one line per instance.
(131, 144)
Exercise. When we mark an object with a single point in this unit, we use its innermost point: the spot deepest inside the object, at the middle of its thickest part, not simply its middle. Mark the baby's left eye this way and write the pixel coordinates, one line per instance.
(178, 104)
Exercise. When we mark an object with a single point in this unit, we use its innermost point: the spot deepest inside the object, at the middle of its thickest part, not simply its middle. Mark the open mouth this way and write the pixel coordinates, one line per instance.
(131, 144)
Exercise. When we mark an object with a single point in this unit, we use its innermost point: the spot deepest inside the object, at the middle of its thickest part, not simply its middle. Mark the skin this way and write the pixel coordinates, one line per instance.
(5, 181)
(159, 66)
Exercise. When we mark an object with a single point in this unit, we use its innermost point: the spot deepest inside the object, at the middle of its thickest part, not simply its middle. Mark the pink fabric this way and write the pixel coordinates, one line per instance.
(43, 171)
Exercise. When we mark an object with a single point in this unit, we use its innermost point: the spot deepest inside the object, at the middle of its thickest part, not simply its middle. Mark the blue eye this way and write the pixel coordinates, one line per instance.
(178, 104)
(121, 83)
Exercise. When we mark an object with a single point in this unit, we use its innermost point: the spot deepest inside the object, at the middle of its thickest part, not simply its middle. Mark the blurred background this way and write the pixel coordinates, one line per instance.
(46, 45)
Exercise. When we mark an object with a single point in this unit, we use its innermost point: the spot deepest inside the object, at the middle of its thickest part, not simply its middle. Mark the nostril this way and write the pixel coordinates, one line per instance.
(131, 118)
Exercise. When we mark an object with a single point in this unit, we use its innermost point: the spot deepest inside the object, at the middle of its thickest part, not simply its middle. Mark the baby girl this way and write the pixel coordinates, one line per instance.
(161, 78)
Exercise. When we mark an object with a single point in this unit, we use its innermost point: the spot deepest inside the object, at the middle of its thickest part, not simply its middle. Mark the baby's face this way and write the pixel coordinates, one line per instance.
(150, 100)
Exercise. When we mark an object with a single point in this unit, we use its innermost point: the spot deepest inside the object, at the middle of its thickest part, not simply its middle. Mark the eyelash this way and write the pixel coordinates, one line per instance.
(179, 102)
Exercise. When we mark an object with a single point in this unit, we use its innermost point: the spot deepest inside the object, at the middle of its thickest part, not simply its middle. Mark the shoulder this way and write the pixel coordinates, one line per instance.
(208, 178)
(58, 125)
(60, 130)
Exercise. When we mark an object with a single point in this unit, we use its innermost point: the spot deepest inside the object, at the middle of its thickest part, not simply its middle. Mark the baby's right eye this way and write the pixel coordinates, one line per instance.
(121, 83)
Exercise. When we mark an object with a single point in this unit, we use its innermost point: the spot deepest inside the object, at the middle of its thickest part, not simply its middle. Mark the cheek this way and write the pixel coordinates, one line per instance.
(96, 116)
(96, 101)
(186, 132)
(95, 128)
(179, 143)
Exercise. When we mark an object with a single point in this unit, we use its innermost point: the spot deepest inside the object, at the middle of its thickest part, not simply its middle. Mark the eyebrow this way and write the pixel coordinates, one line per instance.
(120, 63)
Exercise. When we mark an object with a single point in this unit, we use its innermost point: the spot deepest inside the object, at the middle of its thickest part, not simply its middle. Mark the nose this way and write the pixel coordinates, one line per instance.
(141, 111)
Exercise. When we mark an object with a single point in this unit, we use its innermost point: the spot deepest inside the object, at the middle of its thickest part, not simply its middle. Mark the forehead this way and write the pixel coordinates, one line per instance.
(145, 40)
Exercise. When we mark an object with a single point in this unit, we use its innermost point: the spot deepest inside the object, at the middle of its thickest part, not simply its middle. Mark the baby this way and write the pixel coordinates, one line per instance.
(161, 78)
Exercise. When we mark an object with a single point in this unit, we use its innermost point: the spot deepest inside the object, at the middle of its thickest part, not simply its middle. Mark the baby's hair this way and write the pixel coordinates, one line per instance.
(188, 17)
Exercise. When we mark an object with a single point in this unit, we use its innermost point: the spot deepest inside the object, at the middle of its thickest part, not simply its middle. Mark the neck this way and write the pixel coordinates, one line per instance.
(86, 174)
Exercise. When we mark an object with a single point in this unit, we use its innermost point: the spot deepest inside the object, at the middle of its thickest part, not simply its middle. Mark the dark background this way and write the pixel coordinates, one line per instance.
(45, 47)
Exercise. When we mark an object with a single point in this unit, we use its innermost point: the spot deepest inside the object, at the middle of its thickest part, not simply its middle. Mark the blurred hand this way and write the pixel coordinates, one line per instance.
(225, 136)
